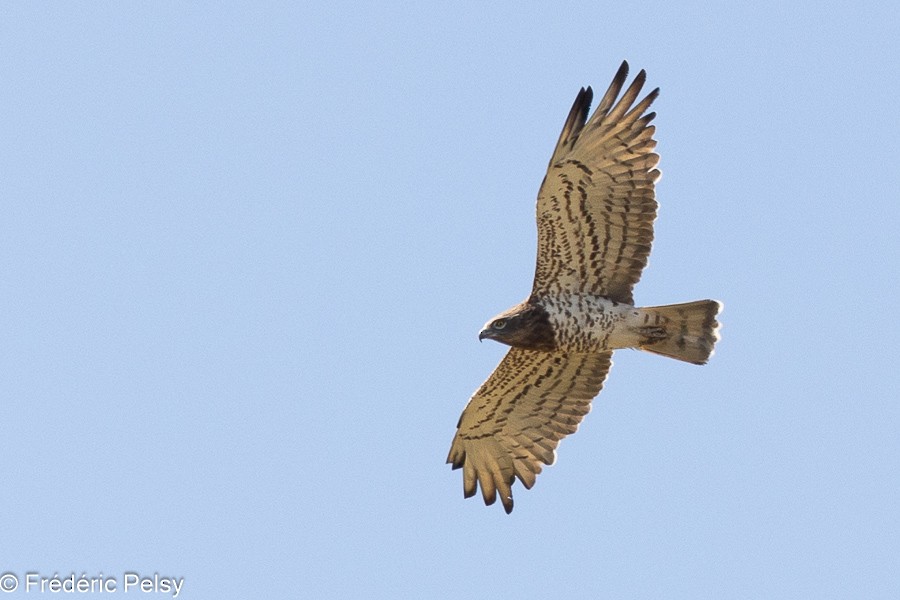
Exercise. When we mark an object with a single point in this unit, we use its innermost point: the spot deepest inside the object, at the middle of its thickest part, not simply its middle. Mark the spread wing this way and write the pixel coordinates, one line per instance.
(515, 420)
(596, 206)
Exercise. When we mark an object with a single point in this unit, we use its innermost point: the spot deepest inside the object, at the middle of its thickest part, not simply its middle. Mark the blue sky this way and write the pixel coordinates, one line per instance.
(246, 249)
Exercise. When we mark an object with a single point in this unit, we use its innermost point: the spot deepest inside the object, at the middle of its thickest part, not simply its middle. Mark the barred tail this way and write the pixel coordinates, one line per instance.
(685, 332)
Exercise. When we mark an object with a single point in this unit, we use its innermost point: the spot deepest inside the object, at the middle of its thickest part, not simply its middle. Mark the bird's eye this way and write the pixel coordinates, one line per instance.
(499, 324)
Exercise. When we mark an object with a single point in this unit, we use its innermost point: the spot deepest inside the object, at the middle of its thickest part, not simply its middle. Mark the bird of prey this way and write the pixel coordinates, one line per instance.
(595, 213)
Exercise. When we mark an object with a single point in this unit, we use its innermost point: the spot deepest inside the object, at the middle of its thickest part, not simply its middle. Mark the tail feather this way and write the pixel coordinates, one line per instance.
(685, 332)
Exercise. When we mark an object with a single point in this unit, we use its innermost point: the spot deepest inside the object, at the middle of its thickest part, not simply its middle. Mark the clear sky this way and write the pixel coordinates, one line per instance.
(246, 249)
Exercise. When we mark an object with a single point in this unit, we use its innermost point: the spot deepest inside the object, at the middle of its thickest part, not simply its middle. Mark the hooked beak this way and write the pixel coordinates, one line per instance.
(484, 334)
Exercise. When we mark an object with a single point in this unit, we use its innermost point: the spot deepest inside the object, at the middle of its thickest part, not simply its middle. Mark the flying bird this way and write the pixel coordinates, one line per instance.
(595, 213)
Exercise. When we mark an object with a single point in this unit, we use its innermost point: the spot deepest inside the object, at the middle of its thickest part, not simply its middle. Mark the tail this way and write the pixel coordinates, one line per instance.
(685, 332)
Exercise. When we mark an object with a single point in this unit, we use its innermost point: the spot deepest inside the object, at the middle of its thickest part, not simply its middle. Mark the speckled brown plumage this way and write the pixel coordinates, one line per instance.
(595, 214)
(515, 421)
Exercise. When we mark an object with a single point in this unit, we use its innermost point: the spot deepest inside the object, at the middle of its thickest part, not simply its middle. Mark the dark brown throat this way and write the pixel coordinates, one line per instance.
(532, 330)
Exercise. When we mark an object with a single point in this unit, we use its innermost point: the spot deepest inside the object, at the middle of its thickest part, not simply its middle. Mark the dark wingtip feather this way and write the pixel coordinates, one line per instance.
(578, 114)
(583, 101)
(621, 75)
(574, 122)
(615, 86)
(641, 76)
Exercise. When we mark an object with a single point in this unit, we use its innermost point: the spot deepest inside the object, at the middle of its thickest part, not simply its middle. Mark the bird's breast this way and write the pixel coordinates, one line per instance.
(584, 323)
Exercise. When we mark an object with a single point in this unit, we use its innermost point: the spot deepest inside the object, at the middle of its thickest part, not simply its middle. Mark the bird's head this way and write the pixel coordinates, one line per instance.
(523, 326)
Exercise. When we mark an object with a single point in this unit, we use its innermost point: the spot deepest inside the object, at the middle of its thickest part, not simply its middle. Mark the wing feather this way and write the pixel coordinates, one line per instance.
(615, 87)
(515, 421)
(597, 204)
(574, 123)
